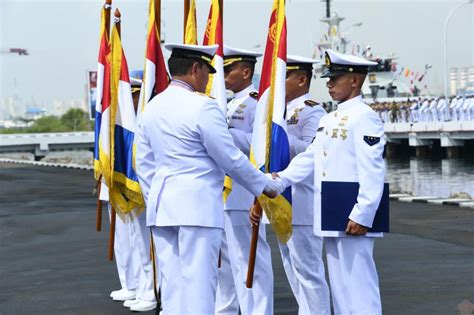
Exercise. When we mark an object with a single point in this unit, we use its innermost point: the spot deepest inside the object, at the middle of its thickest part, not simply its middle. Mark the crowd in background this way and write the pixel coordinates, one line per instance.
(426, 109)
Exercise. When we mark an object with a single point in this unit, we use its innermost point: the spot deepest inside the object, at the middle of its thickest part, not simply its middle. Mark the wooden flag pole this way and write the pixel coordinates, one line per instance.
(186, 13)
(257, 208)
(98, 224)
(113, 215)
(158, 16)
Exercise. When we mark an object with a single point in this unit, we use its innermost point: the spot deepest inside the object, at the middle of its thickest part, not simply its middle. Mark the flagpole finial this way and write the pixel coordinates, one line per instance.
(108, 4)
(117, 16)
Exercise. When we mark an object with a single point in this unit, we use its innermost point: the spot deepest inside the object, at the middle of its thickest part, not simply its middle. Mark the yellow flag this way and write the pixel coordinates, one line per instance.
(191, 25)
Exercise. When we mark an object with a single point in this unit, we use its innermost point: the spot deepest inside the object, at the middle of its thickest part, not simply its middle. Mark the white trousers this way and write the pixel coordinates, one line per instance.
(238, 233)
(127, 270)
(353, 276)
(140, 235)
(187, 260)
(304, 268)
(226, 296)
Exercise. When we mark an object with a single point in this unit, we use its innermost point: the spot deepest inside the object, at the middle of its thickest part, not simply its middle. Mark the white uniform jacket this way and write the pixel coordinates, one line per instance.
(183, 150)
(348, 147)
(302, 122)
(240, 117)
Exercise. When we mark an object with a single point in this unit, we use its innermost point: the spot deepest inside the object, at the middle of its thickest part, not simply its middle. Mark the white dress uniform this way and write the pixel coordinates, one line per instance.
(441, 109)
(414, 112)
(235, 248)
(302, 255)
(238, 231)
(465, 111)
(452, 109)
(183, 151)
(458, 109)
(348, 147)
(424, 110)
(123, 255)
(433, 110)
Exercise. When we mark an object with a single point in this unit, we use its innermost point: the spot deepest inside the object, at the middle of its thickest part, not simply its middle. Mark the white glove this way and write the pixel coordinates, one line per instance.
(274, 187)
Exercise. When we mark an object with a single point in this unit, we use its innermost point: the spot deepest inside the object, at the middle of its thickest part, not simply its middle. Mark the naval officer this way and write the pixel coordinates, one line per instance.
(183, 151)
(302, 255)
(239, 66)
(348, 147)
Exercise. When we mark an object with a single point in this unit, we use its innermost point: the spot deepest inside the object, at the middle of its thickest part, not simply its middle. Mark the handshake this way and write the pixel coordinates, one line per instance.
(274, 186)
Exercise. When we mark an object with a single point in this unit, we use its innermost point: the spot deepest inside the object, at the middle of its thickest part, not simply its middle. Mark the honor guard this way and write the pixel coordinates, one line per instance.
(183, 150)
(348, 147)
(122, 255)
(302, 255)
(239, 66)
(140, 238)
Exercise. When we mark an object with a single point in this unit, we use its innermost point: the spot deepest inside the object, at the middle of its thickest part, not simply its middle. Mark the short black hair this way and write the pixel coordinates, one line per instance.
(180, 66)
(306, 72)
(242, 63)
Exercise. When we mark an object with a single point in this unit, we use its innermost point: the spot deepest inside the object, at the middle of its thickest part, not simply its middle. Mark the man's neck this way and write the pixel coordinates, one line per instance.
(299, 94)
(184, 81)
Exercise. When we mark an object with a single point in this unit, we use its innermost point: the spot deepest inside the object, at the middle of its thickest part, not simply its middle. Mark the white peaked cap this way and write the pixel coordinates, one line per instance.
(349, 60)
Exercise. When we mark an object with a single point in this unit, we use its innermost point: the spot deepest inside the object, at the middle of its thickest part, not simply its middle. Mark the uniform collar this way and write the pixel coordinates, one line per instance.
(297, 101)
(245, 92)
(349, 103)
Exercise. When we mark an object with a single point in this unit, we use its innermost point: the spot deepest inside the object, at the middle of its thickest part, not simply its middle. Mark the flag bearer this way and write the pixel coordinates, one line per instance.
(140, 238)
(239, 66)
(302, 255)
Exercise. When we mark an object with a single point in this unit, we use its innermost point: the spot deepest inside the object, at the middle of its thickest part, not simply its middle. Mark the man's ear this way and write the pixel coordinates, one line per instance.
(302, 80)
(246, 73)
(194, 68)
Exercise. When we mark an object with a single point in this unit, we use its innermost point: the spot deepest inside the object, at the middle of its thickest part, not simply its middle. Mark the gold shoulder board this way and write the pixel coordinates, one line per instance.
(310, 103)
(253, 95)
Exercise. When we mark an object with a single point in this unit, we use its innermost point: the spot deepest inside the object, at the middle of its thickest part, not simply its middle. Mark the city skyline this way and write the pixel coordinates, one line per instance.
(62, 37)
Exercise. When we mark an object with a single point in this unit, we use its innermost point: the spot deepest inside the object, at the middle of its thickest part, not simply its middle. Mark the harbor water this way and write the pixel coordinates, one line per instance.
(433, 176)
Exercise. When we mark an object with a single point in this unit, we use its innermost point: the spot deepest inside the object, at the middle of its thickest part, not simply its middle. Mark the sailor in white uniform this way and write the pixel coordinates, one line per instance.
(414, 111)
(441, 109)
(433, 109)
(140, 238)
(348, 148)
(459, 107)
(184, 149)
(302, 255)
(424, 110)
(452, 108)
(239, 67)
(123, 256)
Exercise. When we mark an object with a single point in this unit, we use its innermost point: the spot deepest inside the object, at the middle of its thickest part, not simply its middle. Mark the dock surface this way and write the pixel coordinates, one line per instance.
(52, 261)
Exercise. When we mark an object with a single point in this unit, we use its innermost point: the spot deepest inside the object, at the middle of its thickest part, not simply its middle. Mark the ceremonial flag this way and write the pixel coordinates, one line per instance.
(124, 191)
(191, 25)
(270, 148)
(155, 77)
(103, 86)
(212, 36)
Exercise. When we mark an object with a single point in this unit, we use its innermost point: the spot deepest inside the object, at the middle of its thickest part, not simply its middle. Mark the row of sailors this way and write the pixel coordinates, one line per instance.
(427, 110)
(188, 224)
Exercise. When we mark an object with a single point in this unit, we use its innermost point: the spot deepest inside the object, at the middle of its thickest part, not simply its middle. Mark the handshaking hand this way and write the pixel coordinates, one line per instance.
(274, 186)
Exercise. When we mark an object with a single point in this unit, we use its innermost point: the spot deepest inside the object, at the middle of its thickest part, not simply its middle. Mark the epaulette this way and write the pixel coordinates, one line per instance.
(204, 95)
(310, 103)
(253, 95)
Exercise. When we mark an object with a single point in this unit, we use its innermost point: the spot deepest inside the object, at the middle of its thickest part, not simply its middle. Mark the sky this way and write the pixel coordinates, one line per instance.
(62, 36)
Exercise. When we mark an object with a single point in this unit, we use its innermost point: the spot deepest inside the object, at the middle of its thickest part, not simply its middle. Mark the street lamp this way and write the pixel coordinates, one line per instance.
(446, 94)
